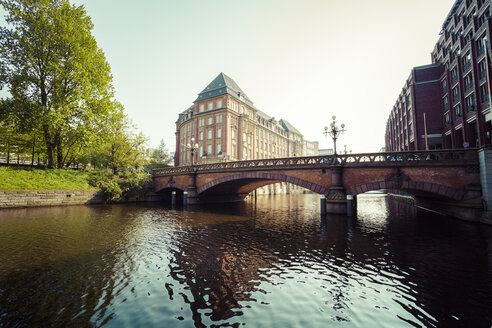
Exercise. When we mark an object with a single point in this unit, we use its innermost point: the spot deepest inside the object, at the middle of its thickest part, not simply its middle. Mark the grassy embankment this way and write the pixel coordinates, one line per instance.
(114, 187)
(34, 179)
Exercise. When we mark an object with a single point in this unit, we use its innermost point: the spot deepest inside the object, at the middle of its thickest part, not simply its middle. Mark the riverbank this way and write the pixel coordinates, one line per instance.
(27, 187)
(21, 178)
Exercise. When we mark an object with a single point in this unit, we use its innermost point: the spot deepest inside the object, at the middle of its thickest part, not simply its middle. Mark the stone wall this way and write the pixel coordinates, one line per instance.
(29, 198)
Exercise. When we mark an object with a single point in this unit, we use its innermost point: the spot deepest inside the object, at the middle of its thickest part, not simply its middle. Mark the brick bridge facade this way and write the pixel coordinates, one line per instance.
(450, 177)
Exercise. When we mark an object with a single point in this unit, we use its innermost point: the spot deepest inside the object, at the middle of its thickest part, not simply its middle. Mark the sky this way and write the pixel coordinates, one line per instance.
(300, 60)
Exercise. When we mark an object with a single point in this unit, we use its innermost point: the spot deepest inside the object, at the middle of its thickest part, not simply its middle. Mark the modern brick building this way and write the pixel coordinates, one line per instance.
(453, 91)
(227, 127)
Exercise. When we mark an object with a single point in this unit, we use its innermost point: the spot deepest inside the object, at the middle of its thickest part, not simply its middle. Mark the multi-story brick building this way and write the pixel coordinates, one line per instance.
(406, 128)
(453, 91)
(226, 126)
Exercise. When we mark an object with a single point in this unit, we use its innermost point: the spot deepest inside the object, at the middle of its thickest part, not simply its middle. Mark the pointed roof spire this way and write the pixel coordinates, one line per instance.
(222, 85)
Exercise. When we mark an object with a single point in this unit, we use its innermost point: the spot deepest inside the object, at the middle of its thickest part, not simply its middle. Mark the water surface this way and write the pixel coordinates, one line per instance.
(271, 264)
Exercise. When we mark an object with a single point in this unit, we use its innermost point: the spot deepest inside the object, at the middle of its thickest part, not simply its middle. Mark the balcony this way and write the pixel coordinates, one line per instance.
(482, 74)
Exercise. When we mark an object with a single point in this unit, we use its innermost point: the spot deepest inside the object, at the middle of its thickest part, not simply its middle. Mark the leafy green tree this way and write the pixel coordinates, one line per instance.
(124, 146)
(58, 78)
(160, 157)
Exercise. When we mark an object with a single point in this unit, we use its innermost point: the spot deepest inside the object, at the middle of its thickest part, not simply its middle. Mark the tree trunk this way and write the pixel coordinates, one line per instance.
(33, 148)
(8, 152)
(49, 147)
(59, 151)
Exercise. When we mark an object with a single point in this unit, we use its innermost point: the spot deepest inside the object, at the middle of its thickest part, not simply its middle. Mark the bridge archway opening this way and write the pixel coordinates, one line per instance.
(166, 194)
(411, 188)
(238, 186)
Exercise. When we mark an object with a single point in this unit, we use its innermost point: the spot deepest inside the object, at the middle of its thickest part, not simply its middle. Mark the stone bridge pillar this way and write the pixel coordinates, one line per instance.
(485, 161)
(336, 197)
(191, 189)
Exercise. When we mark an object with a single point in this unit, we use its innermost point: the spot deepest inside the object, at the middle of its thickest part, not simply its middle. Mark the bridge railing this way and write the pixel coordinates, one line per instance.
(406, 158)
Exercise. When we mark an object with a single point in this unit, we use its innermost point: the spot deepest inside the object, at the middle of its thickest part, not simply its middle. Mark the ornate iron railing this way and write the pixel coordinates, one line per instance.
(407, 158)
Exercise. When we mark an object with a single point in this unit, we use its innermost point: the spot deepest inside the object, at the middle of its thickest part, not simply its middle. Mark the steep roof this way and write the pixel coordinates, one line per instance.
(222, 85)
(263, 115)
(289, 127)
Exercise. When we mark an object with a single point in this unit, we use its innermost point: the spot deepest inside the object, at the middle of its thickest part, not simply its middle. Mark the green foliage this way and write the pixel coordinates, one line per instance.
(62, 104)
(123, 147)
(160, 157)
(58, 78)
(35, 179)
(115, 187)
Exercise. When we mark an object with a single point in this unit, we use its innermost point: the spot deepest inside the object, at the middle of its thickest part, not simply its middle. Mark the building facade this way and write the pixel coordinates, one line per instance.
(226, 126)
(453, 91)
(406, 128)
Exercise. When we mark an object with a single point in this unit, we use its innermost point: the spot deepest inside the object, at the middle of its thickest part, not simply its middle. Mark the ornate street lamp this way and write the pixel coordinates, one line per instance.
(192, 147)
(334, 131)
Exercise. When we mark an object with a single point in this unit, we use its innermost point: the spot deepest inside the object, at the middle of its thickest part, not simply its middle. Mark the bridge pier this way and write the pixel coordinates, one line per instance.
(336, 197)
(192, 197)
(485, 162)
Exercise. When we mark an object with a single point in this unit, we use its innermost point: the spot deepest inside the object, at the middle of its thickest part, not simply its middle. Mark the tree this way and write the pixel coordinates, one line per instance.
(58, 78)
(160, 157)
(123, 146)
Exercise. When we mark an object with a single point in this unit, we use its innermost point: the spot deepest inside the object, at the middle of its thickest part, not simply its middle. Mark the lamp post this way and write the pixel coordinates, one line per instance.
(192, 147)
(334, 131)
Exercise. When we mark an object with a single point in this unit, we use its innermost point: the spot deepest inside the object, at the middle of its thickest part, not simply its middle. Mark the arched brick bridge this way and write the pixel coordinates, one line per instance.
(451, 175)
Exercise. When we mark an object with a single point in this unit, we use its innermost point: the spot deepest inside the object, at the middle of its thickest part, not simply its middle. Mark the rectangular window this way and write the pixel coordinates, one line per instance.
(234, 106)
(209, 150)
(456, 93)
(482, 70)
(210, 121)
(219, 133)
(445, 102)
(457, 111)
(218, 149)
(233, 151)
(218, 119)
(468, 82)
(219, 103)
(470, 102)
(454, 74)
(233, 134)
(202, 108)
(249, 140)
(209, 134)
(200, 151)
(210, 105)
(466, 61)
(201, 122)
(481, 43)
(484, 95)
(244, 137)
(448, 119)
(201, 135)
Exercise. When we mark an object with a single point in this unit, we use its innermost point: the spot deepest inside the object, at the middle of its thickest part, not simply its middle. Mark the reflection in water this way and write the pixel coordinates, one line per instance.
(270, 264)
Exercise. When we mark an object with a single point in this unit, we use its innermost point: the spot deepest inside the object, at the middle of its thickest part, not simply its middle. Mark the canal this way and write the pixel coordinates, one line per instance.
(270, 264)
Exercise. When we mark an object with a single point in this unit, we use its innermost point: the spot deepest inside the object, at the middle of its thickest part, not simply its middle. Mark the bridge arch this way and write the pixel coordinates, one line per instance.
(170, 186)
(248, 178)
(431, 188)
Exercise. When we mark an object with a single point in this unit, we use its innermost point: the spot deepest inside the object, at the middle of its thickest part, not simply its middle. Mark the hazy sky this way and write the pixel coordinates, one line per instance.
(300, 60)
